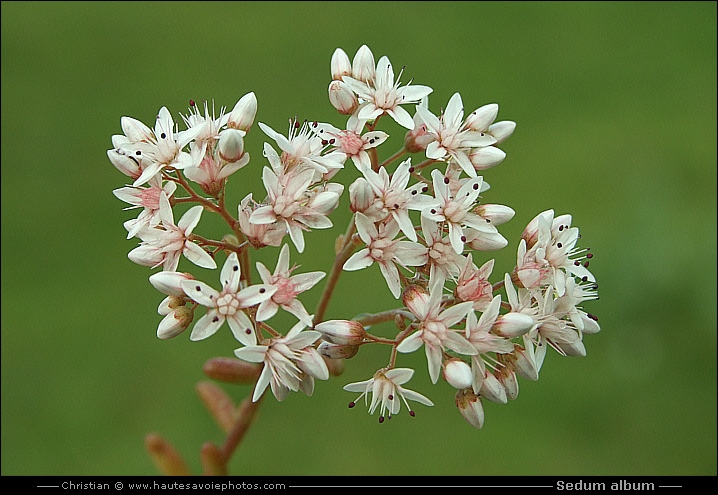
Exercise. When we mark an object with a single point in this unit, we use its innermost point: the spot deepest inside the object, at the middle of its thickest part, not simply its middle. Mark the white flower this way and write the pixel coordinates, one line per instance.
(444, 263)
(381, 94)
(228, 304)
(147, 198)
(387, 252)
(434, 327)
(290, 363)
(452, 137)
(288, 288)
(290, 203)
(456, 210)
(386, 389)
(163, 245)
(351, 142)
(393, 197)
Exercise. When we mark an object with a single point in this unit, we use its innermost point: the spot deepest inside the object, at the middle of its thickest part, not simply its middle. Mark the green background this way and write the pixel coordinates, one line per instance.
(616, 111)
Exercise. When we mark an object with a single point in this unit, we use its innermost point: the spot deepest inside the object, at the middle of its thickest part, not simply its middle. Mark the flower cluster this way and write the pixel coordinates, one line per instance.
(419, 215)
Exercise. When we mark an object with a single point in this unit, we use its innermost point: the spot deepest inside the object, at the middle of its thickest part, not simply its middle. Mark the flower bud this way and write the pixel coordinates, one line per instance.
(502, 130)
(512, 325)
(507, 378)
(231, 145)
(342, 98)
(525, 361)
(530, 233)
(457, 373)
(470, 407)
(124, 163)
(170, 282)
(337, 351)
(574, 349)
(492, 389)
(135, 130)
(486, 157)
(496, 214)
(481, 118)
(243, 113)
(363, 66)
(175, 322)
(345, 332)
(340, 64)
(361, 196)
(416, 140)
(485, 241)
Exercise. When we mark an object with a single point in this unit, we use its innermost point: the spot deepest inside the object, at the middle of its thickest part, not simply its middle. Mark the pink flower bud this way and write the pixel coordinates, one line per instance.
(470, 407)
(512, 325)
(416, 140)
(337, 351)
(341, 65)
(345, 332)
(243, 113)
(231, 145)
(342, 98)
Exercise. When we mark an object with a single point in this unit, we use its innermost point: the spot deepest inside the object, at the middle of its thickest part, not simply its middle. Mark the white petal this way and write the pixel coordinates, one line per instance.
(206, 326)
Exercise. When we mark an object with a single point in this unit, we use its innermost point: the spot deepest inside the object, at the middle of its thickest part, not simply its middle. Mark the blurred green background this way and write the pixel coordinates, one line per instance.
(616, 111)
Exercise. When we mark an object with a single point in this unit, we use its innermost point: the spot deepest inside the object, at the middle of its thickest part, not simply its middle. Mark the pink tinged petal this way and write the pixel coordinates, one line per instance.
(414, 92)
(529, 277)
(411, 253)
(456, 313)
(296, 235)
(264, 272)
(149, 172)
(416, 397)
(171, 262)
(391, 275)
(252, 353)
(314, 220)
(373, 139)
(271, 182)
(358, 260)
(363, 64)
(458, 343)
(198, 256)
(401, 116)
(366, 228)
(263, 215)
(454, 113)
(230, 274)
(455, 236)
(432, 121)
(146, 256)
(462, 159)
(190, 219)
(405, 224)
(305, 281)
(264, 379)
(369, 111)
(481, 118)
(498, 214)
(296, 308)
(474, 139)
(206, 326)
(242, 328)
(411, 343)
(399, 375)
(266, 310)
(282, 261)
(312, 363)
(433, 359)
(200, 292)
(255, 294)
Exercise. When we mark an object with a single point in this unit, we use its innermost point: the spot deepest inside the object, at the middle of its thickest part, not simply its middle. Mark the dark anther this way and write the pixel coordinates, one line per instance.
(446, 180)
(163, 135)
(424, 189)
(433, 211)
(463, 238)
(412, 413)
(584, 279)
(589, 255)
(352, 404)
(198, 288)
(381, 419)
(559, 245)
(262, 290)
(476, 186)
(391, 396)
(411, 169)
(215, 319)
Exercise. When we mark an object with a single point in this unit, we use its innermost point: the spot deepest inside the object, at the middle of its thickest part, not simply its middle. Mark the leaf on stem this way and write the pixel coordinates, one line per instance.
(219, 404)
(165, 457)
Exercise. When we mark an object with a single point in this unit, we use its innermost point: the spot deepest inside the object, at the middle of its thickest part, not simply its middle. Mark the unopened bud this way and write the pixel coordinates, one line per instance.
(231, 145)
(496, 214)
(363, 66)
(175, 322)
(481, 118)
(530, 233)
(492, 389)
(486, 157)
(470, 407)
(340, 64)
(361, 196)
(345, 332)
(457, 373)
(170, 282)
(124, 163)
(342, 97)
(502, 130)
(337, 351)
(416, 140)
(135, 130)
(512, 325)
(243, 113)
